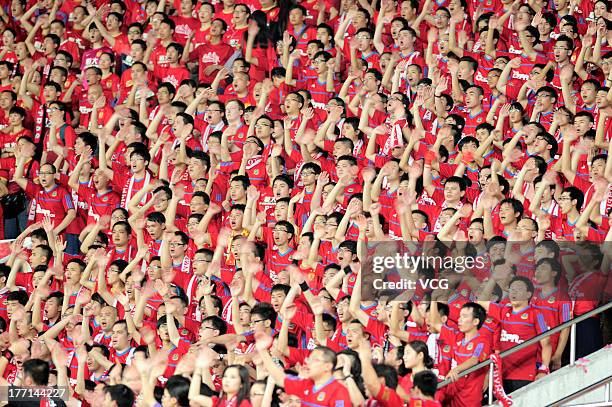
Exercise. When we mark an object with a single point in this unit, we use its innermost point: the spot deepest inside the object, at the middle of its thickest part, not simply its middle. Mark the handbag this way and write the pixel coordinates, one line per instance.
(13, 204)
(17, 202)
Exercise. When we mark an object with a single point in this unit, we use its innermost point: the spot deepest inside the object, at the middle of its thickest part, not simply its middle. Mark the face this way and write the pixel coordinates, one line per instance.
(518, 292)
(177, 247)
(540, 145)
(452, 192)
(364, 41)
(197, 205)
(46, 175)
(120, 235)
(52, 308)
(411, 357)
(475, 233)
(233, 112)
(544, 274)
(231, 382)
(258, 323)
(354, 335)
(566, 204)
(441, 19)
(296, 17)
(92, 365)
(237, 191)
(466, 320)
(120, 337)
(545, 101)
(113, 274)
(343, 311)
(163, 96)
(292, 104)
(472, 98)
(507, 214)
(205, 14)
(94, 92)
(235, 219)
(561, 51)
(73, 273)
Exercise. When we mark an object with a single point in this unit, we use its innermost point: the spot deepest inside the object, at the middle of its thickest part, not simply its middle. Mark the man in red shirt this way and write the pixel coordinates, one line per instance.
(468, 349)
(49, 198)
(520, 322)
(212, 55)
(319, 387)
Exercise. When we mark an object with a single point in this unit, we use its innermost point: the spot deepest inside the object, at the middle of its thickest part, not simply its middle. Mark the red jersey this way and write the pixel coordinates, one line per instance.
(55, 202)
(121, 357)
(471, 122)
(211, 54)
(173, 75)
(516, 328)
(468, 390)
(100, 204)
(331, 393)
(556, 308)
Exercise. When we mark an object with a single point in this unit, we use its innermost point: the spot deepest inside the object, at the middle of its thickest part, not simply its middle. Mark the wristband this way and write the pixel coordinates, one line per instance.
(347, 270)
(304, 286)
(544, 369)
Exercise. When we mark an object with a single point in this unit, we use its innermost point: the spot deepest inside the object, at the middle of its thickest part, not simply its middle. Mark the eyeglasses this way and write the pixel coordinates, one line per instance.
(308, 173)
(279, 230)
(200, 261)
(560, 48)
(259, 126)
(543, 95)
(173, 244)
(256, 321)
(134, 32)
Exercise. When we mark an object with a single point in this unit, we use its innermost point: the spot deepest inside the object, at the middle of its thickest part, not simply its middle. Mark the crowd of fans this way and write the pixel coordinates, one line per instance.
(192, 189)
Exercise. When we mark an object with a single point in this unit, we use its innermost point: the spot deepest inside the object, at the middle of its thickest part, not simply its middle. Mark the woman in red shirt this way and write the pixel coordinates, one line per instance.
(235, 387)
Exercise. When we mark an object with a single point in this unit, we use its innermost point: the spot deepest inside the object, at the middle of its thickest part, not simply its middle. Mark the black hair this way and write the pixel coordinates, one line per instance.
(37, 370)
(178, 388)
(477, 312)
(526, 281)
(427, 382)
(266, 311)
(421, 347)
(120, 393)
(218, 323)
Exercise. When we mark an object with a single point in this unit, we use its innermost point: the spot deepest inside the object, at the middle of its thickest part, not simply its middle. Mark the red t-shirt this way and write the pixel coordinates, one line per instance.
(331, 393)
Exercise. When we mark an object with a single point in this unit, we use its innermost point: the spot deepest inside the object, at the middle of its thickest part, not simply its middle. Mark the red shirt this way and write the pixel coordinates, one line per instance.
(122, 357)
(331, 393)
(516, 328)
(173, 75)
(211, 54)
(55, 202)
(99, 204)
